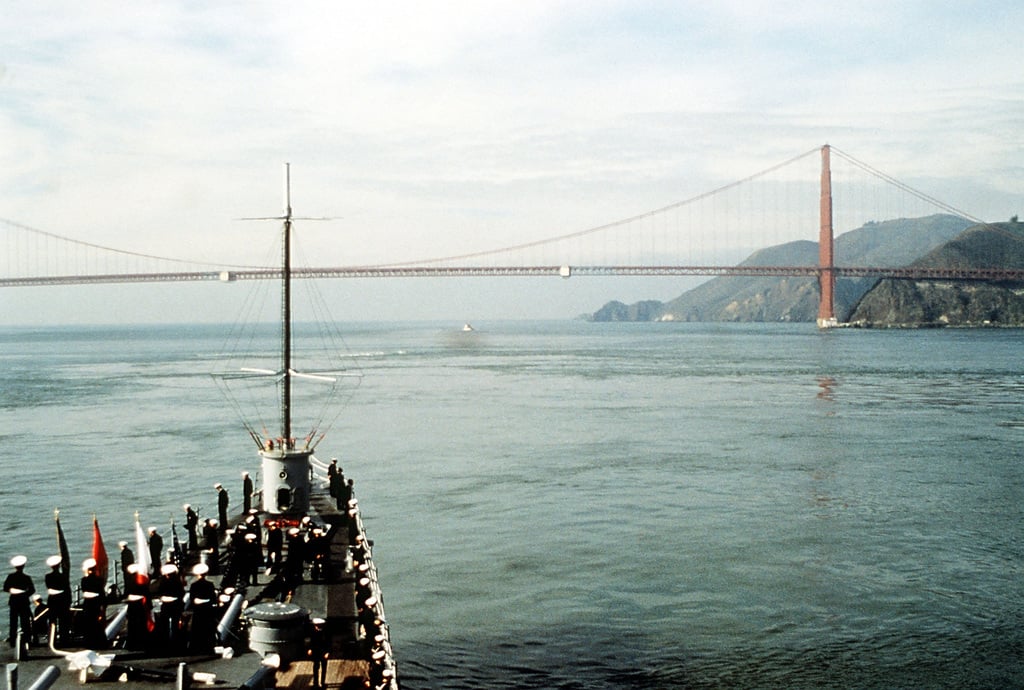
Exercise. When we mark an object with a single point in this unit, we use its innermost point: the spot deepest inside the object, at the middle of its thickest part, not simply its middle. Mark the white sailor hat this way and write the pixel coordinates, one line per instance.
(318, 621)
(186, 506)
(217, 485)
(371, 602)
(88, 564)
(122, 544)
(168, 569)
(200, 569)
(151, 530)
(250, 537)
(54, 561)
(244, 474)
(19, 561)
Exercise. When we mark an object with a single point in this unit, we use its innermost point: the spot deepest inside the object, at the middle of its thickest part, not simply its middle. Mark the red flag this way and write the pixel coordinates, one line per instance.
(99, 552)
(62, 546)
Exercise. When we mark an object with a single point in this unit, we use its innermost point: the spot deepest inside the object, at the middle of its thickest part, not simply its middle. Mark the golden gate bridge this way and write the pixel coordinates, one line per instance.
(681, 239)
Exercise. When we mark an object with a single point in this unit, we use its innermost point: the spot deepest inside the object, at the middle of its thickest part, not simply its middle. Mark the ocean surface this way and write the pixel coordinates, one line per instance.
(577, 505)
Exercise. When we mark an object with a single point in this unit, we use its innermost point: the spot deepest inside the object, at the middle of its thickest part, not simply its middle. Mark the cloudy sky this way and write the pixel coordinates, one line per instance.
(430, 129)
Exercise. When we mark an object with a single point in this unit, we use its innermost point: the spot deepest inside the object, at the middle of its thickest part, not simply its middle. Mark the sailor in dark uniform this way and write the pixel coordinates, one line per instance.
(293, 562)
(345, 495)
(211, 543)
(222, 505)
(275, 548)
(191, 525)
(156, 550)
(40, 619)
(171, 591)
(251, 557)
(202, 602)
(127, 559)
(93, 616)
(20, 588)
(318, 650)
(58, 598)
(247, 490)
(137, 592)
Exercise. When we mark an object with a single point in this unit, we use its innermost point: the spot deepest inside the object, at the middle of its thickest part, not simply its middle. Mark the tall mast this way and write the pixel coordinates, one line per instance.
(286, 311)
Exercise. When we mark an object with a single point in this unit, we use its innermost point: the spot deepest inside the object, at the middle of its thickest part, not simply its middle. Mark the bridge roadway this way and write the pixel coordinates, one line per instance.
(906, 273)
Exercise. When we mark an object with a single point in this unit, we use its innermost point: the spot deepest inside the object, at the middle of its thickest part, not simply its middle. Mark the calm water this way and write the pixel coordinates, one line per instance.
(572, 505)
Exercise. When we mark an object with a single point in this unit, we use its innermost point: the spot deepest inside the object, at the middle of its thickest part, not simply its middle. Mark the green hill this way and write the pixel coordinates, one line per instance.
(948, 303)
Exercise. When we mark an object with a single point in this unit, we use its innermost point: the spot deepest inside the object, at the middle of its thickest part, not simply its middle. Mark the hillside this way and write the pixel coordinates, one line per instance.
(945, 303)
(742, 298)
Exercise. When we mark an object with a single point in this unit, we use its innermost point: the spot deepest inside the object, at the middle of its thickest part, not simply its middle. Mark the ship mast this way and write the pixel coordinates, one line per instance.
(286, 311)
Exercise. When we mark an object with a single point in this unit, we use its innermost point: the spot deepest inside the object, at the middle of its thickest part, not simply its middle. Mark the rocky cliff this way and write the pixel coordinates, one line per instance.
(946, 303)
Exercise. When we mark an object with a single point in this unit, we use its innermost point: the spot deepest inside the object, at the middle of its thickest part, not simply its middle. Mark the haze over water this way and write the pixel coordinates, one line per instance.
(574, 505)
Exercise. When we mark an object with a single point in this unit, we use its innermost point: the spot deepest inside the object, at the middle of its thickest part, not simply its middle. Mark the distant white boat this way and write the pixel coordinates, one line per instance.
(467, 327)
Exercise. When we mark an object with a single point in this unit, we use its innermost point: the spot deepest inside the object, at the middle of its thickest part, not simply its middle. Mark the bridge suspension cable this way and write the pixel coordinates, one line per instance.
(606, 226)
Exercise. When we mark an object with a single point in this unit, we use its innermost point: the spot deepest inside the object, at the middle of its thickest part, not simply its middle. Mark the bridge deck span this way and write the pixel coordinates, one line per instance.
(907, 273)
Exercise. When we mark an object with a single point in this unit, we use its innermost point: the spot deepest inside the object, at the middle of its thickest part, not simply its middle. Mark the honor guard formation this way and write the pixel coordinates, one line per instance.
(193, 598)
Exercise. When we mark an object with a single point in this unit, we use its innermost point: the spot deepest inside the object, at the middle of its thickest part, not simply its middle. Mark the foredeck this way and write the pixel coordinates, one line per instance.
(335, 600)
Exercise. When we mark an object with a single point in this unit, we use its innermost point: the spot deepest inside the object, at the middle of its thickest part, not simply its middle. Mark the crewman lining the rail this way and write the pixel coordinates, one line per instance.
(222, 505)
(191, 526)
(127, 558)
(58, 598)
(344, 495)
(211, 543)
(156, 548)
(20, 588)
(247, 491)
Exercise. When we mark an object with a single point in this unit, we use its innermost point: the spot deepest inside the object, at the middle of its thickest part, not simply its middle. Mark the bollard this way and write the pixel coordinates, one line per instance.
(183, 677)
(47, 678)
(12, 677)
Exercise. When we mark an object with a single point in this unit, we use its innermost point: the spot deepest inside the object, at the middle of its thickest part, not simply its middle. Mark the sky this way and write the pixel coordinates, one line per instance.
(427, 129)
